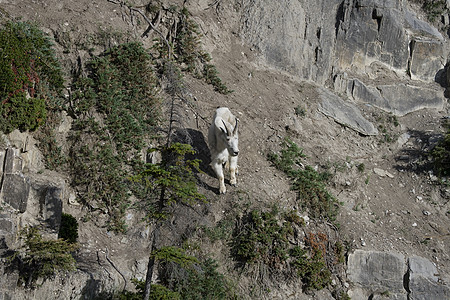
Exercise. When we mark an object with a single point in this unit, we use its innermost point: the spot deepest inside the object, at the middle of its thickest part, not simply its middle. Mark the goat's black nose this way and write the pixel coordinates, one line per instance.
(236, 153)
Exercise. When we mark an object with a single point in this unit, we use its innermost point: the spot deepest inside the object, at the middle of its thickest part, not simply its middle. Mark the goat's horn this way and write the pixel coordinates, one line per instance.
(235, 127)
(226, 128)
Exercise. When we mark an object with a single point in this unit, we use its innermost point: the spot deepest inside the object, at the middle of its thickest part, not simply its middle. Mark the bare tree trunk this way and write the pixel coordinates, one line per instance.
(151, 265)
(151, 261)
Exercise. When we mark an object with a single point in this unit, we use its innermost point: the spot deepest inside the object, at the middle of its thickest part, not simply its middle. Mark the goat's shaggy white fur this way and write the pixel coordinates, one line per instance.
(223, 145)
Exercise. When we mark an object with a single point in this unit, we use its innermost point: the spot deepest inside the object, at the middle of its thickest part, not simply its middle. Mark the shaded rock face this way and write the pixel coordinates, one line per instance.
(389, 275)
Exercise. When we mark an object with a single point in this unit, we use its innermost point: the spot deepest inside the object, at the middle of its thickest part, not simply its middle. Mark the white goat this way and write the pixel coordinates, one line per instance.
(223, 145)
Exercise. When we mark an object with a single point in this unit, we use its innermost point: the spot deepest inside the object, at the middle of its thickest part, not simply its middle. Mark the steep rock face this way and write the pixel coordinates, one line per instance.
(387, 32)
(295, 36)
(311, 39)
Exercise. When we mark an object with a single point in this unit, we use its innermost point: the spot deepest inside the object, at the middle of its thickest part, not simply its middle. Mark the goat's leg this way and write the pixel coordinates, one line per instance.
(218, 169)
(233, 170)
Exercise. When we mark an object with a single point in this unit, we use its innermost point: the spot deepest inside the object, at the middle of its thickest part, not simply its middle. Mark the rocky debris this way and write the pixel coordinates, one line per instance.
(345, 113)
(382, 173)
(391, 275)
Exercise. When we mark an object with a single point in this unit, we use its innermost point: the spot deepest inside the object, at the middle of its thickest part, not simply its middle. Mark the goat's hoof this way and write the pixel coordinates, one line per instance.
(222, 191)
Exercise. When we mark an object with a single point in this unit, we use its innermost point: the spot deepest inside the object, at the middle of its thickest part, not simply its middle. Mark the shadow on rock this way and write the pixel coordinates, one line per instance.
(197, 140)
(415, 156)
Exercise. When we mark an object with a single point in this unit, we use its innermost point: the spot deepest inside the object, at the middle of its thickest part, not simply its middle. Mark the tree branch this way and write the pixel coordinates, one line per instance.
(153, 27)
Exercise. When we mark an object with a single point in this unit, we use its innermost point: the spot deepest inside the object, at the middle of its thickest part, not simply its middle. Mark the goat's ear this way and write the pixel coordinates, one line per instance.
(226, 128)
(235, 127)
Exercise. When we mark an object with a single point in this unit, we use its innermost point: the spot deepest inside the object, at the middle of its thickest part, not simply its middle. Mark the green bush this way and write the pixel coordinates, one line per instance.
(69, 228)
(308, 183)
(259, 237)
(43, 258)
(30, 77)
(441, 156)
(263, 238)
(120, 90)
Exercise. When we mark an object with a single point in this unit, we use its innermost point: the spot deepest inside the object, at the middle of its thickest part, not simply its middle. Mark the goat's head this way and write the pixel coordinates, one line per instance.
(230, 137)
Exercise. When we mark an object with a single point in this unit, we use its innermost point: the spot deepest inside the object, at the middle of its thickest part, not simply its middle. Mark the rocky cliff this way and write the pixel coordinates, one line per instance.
(350, 65)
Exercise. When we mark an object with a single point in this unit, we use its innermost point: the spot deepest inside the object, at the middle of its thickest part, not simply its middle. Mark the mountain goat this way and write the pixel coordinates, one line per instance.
(223, 144)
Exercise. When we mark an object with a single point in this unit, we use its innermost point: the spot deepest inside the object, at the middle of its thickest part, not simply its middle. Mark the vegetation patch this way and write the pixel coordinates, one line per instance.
(184, 277)
(116, 109)
(441, 155)
(309, 184)
(169, 182)
(433, 8)
(30, 77)
(40, 258)
(68, 230)
(266, 238)
(184, 43)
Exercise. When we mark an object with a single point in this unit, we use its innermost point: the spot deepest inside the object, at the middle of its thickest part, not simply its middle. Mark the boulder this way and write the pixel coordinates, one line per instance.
(423, 281)
(345, 113)
(377, 271)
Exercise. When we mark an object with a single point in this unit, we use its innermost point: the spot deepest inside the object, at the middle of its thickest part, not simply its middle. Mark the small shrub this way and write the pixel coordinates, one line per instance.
(441, 156)
(361, 167)
(69, 228)
(43, 258)
(211, 76)
(308, 183)
(300, 111)
(261, 238)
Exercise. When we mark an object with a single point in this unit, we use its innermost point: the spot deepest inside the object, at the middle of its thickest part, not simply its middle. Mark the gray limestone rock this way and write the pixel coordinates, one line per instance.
(404, 99)
(294, 36)
(427, 58)
(399, 99)
(377, 271)
(385, 31)
(345, 113)
(423, 280)
(15, 191)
